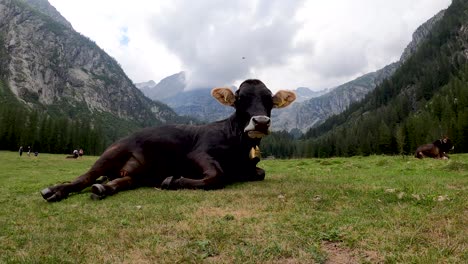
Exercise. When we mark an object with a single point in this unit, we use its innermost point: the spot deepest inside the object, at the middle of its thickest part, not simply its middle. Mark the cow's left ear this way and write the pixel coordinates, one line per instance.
(283, 98)
(224, 95)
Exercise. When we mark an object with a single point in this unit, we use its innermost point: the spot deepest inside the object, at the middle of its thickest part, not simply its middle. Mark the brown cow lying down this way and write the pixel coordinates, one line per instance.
(186, 156)
(437, 150)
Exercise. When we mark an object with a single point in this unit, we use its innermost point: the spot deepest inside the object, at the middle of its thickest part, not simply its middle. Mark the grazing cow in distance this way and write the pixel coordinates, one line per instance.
(437, 149)
(187, 156)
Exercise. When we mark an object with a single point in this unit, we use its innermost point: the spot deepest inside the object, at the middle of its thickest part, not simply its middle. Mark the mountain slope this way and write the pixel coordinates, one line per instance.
(53, 68)
(50, 68)
(426, 98)
(44, 7)
(199, 104)
(313, 112)
(307, 114)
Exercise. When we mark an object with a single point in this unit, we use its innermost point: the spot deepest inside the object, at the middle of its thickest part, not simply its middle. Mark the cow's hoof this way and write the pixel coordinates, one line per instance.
(166, 184)
(46, 193)
(98, 189)
(52, 196)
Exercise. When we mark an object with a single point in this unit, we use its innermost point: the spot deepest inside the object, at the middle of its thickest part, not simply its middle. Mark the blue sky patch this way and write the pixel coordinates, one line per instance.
(124, 39)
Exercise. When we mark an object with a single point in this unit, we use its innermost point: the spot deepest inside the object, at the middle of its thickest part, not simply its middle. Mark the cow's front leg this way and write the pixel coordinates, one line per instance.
(61, 191)
(259, 173)
(210, 168)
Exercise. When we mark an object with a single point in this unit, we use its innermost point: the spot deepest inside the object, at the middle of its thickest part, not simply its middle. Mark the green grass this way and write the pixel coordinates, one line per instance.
(368, 209)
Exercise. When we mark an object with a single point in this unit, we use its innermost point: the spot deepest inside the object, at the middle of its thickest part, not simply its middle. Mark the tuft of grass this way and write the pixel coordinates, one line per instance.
(457, 166)
(376, 209)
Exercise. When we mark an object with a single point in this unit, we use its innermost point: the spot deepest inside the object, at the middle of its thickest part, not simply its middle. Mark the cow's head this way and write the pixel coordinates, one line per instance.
(253, 102)
(444, 144)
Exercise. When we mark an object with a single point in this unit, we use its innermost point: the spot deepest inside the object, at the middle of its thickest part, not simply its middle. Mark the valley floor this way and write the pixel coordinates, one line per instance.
(376, 209)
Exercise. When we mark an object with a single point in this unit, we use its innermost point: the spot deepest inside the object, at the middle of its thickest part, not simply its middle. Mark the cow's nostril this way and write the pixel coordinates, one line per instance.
(261, 120)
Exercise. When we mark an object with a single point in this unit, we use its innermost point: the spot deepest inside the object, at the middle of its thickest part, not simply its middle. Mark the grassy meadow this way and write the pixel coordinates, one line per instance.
(377, 209)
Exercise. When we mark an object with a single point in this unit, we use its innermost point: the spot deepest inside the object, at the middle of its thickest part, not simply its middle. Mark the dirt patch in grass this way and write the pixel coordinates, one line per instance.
(339, 254)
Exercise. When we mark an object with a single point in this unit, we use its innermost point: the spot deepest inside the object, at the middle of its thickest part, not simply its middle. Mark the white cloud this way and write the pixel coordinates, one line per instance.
(286, 44)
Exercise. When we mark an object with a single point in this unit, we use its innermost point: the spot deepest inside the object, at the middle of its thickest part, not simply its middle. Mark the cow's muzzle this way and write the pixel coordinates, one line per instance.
(258, 127)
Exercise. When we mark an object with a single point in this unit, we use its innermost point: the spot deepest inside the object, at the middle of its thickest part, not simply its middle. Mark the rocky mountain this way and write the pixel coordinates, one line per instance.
(426, 98)
(310, 113)
(44, 7)
(420, 35)
(304, 93)
(51, 68)
(167, 87)
(145, 85)
(198, 103)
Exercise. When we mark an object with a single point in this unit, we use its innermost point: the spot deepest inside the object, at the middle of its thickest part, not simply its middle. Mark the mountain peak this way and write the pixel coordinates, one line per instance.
(46, 8)
(167, 87)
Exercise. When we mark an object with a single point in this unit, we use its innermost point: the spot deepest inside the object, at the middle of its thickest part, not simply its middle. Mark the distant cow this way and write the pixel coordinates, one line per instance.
(438, 149)
(74, 156)
(186, 156)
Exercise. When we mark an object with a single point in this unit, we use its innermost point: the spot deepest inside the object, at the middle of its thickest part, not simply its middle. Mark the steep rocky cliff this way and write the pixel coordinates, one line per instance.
(44, 7)
(420, 35)
(52, 68)
(310, 113)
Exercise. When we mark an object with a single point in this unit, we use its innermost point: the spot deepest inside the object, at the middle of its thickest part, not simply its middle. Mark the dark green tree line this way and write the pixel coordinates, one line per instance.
(22, 127)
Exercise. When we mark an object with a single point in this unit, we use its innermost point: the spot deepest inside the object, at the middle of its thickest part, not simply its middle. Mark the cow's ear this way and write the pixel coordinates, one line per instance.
(283, 98)
(224, 95)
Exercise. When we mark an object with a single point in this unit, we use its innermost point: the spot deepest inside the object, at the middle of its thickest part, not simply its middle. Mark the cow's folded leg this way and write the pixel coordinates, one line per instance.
(102, 179)
(169, 183)
(209, 183)
(254, 173)
(100, 191)
(125, 181)
(259, 175)
(212, 175)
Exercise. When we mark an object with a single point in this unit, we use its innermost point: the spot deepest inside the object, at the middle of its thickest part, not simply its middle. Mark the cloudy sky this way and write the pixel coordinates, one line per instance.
(285, 43)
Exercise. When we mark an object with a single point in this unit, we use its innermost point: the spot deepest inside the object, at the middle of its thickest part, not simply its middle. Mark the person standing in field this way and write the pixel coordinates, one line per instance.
(21, 151)
(29, 151)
